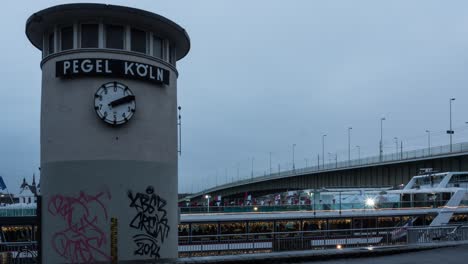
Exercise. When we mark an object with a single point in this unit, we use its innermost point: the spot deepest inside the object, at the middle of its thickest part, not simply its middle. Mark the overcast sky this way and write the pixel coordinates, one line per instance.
(263, 75)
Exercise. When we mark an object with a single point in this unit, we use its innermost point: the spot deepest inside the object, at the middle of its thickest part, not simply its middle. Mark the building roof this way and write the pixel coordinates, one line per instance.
(44, 20)
(32, 188)
(26, 192)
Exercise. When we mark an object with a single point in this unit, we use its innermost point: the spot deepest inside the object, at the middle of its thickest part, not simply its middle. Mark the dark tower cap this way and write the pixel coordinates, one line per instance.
(46, 19)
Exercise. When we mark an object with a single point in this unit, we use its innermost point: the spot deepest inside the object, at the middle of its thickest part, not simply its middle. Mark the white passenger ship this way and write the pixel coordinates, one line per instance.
(429, 199)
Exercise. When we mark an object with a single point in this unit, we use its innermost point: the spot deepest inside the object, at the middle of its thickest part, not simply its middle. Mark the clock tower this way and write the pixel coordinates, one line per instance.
(108, 132)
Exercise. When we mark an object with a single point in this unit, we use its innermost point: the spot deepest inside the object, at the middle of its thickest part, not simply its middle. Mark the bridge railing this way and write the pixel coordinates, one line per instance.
(374, 160)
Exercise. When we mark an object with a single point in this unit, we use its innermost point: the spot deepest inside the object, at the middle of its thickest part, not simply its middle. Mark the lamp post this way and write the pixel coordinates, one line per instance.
(396, 147)
(251, 172)
(270, 163)
(179, 123)
(207, 197)
(349, 145)
(359, 153)
(333, 155)
(293, 164)
(314, 203)
(323, 150)
(306, 162)
(450, 132)
(381, 137)
(428, 141)
(340, 202)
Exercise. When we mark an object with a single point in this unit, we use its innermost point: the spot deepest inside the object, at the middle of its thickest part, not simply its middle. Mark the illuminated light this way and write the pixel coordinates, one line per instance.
(370, 248)
(370, 202)
(339, 246)
(255, 208)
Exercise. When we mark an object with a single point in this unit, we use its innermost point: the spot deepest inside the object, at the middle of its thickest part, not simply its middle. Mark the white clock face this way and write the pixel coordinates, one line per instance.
(114, 103)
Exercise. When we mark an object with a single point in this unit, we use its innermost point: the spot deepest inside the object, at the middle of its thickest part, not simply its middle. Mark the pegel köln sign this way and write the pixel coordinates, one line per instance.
(111, 68)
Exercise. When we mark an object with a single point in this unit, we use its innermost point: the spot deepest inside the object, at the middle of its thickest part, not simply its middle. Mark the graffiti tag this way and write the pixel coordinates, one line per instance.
(81, 241)
(151, 218)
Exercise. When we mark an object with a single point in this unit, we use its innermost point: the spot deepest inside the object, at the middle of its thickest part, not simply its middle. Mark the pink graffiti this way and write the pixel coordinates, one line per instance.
(82, 241)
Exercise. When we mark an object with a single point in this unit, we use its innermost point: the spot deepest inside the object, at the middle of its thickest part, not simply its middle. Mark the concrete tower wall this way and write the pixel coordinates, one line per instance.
(95, 172)
(109, 192)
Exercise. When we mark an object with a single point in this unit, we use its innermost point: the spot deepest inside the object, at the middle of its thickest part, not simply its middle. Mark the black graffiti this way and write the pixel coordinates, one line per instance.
(147, 245)
(151, 218)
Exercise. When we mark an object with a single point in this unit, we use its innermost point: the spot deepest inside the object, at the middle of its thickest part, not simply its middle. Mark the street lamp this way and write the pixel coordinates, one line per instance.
(207, 197)
(270, 163)
(396, 147)
(349, 145)
(251, 173)
(450, 132)
(340, 200)
(381, 137)
(179, 124)
(359, 153)
(306, 162)
(428, 141)
(293, 165)
(323, 150)
(314, 194)
(333, 155)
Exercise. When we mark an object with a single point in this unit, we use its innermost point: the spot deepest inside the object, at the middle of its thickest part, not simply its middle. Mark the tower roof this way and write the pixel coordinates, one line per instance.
(46, 19)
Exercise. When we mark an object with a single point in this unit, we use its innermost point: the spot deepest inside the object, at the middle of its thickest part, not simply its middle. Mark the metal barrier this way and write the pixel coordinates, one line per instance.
(437, 234)
(226, 244)
(18, 252)
(17, 212)
(230, 244)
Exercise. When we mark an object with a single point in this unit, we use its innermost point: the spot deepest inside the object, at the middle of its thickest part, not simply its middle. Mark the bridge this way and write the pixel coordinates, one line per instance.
(387, 170)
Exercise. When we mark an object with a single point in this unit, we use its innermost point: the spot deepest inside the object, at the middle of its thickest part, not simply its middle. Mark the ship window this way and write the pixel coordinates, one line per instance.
(263, 229)
(313, 225)
(157, 47)
(66, 36)
(138, 40)
(51, 43)
(385, 222)
(288, 226)
(89, 35)
(334, 224)
(208, 231)
(114, 37)
(183, 233)
(458, 178)
(16, 233)
(364, 223)
(459, 218)
(233, 230)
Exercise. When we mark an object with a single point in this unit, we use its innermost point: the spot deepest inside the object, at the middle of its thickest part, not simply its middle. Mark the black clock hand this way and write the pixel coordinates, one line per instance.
(122, 100)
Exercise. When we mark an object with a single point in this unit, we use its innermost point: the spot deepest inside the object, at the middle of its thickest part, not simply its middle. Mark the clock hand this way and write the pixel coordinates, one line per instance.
(122, 100)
